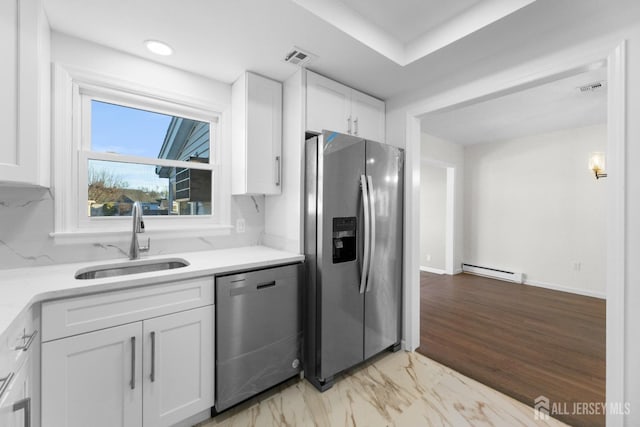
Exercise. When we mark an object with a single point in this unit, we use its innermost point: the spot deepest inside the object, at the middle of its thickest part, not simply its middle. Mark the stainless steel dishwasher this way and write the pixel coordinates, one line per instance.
(258, 331)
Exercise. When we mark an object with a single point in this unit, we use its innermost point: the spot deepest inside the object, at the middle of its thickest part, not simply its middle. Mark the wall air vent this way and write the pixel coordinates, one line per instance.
(593, 87)
(299, 57)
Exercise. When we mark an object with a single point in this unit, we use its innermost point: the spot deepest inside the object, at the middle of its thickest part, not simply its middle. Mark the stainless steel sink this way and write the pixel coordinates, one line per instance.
(125, 268)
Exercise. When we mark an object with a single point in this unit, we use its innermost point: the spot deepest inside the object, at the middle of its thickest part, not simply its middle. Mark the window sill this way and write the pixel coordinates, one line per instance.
(111, 235)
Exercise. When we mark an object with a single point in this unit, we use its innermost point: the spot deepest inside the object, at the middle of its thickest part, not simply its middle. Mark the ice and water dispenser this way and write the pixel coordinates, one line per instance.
(344, 239)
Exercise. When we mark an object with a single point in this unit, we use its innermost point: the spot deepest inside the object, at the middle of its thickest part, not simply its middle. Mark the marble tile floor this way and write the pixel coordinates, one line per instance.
(394, 389)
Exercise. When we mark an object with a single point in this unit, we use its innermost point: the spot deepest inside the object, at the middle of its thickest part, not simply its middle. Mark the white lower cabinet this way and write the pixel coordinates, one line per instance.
(178, 366)
(154, 372)
(94, 379)
(20, 372)
(15, 403)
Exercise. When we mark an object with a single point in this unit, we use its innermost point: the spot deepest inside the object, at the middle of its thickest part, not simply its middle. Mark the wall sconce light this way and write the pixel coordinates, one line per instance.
(596, 164)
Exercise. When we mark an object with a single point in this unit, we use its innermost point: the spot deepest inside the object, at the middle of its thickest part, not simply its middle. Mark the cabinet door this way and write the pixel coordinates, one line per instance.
(264, 135)
(8, 80)
(328, 105)
(24, 84)
(93, 379)
(256, 123)
(15, 404)
(368, 116)
(179, 366)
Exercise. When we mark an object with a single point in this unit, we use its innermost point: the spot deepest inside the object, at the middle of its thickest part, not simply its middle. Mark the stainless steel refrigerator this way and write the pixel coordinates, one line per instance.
(353, 248)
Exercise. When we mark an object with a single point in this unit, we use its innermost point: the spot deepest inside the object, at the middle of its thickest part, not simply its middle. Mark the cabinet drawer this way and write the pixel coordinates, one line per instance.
(73, 316)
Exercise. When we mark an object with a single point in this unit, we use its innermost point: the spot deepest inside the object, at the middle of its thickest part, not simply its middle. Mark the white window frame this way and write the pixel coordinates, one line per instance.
(73, 92)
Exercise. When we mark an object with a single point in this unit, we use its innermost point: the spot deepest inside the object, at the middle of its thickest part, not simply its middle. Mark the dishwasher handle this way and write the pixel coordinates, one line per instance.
(266, 285)
(243, 287)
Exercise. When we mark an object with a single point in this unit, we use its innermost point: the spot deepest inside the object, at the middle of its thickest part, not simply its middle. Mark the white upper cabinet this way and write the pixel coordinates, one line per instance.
(368, 116)
(24, 104)
(256, 116)
(328, 104)
(334, 106)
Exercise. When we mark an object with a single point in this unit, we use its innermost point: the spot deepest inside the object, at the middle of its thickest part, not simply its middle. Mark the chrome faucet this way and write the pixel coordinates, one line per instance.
(138, 227)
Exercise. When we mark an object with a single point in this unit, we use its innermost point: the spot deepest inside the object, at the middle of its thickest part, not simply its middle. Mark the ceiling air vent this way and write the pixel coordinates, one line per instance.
(593, 87)
(299, 57)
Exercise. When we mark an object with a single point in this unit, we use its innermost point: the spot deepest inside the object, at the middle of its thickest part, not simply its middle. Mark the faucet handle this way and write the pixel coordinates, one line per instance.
(146, 248)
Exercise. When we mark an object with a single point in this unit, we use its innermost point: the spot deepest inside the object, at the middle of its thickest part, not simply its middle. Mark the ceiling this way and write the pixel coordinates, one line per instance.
(546, 108)
(405, 20)
(387, 49)
(407, 30)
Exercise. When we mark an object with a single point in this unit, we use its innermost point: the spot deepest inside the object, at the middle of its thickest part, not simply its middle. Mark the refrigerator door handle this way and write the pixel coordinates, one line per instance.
(367, 235)
(372, 238)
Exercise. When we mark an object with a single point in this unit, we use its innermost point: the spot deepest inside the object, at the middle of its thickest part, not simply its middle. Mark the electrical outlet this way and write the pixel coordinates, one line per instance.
(428, 257)
(240, 225)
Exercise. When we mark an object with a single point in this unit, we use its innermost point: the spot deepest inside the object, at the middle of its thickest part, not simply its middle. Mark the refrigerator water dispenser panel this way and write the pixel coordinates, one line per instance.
(344, 239)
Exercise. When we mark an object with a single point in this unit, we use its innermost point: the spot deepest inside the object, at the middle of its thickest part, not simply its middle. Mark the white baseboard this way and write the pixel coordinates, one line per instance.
(595, 294)
(431, 270)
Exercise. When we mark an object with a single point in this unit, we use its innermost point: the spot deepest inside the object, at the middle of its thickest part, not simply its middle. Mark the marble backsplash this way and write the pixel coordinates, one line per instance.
(27, 218)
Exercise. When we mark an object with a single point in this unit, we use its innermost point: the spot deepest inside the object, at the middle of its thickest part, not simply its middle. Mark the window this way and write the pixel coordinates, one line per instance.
(130, 147)
(122, 162)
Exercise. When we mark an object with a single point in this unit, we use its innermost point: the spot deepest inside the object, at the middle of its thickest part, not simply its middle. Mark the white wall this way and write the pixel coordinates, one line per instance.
(433, 210)
(26, 215)
(632, 244)
(283, 221)
(80, 53)
(448, 154)
(532, 206)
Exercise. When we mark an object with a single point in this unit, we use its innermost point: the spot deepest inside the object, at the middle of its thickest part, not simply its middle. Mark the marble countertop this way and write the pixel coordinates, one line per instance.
(22, 287)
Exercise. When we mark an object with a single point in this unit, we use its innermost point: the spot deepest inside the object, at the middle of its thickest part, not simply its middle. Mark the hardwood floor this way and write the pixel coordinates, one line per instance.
(521, 340)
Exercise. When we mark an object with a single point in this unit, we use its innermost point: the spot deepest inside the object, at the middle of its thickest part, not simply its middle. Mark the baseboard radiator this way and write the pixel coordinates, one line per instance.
(494, 273)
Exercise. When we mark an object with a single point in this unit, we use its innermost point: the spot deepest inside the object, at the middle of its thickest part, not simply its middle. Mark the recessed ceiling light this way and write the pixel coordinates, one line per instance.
(158, 47)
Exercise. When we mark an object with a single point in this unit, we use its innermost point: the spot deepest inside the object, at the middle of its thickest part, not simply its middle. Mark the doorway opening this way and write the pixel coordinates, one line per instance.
(437, 219)
(543, 230)
(615, 263)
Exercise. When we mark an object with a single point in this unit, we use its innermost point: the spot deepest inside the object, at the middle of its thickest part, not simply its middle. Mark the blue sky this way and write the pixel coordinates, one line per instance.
(128, 131)
(125, 130)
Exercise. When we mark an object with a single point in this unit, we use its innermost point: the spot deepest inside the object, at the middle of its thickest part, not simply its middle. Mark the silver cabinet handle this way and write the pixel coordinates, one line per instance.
(349, 125)
(26, 405)
(5, 383)
(132, 383)
(367, 236)
(355, 123)
(278, 168)
(372, 212)
(29, 340)
(153, 357)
